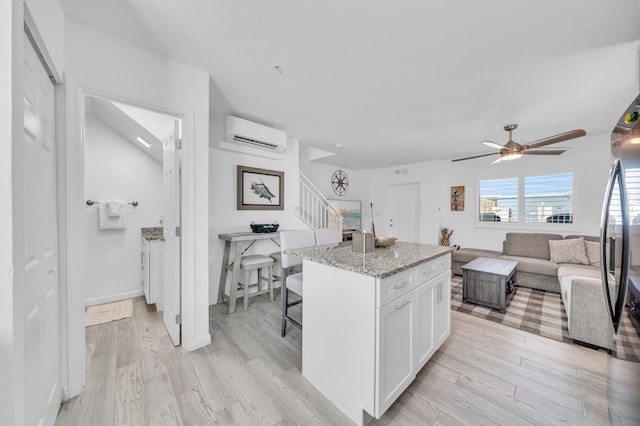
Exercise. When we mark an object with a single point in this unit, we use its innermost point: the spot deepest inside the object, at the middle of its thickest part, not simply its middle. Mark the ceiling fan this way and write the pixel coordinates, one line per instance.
(512, 150)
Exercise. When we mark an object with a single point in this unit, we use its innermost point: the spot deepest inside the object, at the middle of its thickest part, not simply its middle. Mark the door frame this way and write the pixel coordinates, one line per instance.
(73, 303)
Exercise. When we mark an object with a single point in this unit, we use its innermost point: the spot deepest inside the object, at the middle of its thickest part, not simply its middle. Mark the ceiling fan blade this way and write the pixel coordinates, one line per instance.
(474, 156)
(499, 159)
(555, 139)
(492, 144)
(544, 152)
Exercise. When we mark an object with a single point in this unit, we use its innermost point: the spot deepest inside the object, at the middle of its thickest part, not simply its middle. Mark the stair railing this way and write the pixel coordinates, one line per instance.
(314, 209)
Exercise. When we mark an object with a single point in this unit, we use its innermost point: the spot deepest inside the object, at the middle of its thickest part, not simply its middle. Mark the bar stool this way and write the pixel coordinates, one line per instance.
(261, 264)
(277, 260)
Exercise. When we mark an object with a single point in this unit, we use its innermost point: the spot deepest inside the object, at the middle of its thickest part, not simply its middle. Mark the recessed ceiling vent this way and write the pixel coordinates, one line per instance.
(248, 133)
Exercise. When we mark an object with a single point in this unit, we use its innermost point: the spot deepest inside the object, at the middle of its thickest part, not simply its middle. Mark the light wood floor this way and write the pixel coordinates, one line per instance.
(485, 373)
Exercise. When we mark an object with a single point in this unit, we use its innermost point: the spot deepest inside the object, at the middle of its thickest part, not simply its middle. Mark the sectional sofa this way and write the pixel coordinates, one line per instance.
(568, 265)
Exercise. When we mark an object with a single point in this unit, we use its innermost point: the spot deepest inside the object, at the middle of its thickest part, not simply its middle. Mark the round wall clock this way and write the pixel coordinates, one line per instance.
(340, 182)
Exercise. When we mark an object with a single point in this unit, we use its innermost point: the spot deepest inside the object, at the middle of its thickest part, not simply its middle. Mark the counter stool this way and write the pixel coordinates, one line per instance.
(259, 263)
(277, 271)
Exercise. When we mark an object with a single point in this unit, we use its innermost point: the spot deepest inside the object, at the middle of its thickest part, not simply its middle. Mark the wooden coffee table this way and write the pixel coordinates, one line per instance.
(484, 281)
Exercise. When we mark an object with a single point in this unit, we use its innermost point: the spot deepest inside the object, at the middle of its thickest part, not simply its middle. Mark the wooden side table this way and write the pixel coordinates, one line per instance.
(484, 281)
(242, 241)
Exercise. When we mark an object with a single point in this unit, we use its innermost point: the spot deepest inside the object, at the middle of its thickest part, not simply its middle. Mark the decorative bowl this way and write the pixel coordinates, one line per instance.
(384, 241)
(264, 228)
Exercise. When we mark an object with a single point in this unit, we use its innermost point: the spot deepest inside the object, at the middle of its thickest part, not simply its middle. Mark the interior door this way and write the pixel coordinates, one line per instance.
(171, 295)
(41, 288)
(404, 220)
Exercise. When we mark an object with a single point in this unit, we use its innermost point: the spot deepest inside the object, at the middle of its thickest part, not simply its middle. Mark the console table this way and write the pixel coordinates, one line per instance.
(242, 241)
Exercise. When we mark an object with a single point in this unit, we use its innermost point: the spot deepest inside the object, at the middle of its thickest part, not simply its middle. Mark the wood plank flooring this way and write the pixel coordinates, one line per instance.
(485, 374)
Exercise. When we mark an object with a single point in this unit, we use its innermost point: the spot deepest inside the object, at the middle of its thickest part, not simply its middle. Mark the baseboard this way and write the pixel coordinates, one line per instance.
(198, 343)
(113, 297)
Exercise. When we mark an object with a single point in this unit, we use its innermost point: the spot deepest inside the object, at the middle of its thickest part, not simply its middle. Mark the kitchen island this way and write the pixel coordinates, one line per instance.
(372, 321)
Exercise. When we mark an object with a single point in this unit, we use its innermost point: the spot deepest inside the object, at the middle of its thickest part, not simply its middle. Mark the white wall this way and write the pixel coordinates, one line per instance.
(359, 185)
(224, 218)
(101, 64)
(588, 158)
(427, 175)
(49, 19)
(115, 169)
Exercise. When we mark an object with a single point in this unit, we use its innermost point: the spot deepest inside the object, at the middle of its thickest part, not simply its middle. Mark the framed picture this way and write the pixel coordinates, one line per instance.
(457, 198)
(350, 211)
(260, 189)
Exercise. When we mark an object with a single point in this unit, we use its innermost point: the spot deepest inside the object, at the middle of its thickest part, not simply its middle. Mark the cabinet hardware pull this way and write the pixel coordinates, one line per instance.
(426, 271)
(402, 284)
(402, 304)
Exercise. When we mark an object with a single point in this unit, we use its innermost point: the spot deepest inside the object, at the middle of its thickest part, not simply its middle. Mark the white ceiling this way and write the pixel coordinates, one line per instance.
(131, 123)
(397, 82)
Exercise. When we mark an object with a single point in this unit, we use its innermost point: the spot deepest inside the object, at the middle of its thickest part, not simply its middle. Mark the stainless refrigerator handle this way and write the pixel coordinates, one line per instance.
(615, 313)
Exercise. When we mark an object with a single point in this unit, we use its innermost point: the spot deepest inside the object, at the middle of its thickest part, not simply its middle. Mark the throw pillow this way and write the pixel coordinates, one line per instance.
(593, 252)
(568, 251)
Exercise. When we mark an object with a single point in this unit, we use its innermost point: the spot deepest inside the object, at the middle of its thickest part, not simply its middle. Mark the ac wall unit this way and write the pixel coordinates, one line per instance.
(254, 135)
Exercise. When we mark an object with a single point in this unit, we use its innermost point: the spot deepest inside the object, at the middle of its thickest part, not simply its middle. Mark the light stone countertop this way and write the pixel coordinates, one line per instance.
(383, 262)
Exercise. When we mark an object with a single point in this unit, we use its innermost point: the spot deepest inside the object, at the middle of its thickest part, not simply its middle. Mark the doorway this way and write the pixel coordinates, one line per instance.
(130, 161)
(404, 212)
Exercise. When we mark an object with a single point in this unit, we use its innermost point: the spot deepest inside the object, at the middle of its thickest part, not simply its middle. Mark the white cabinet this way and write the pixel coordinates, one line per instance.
(364, 339)
(442, 311)
(424, 327)
(411, 327)
(394, 350)
(152, 270)
(432, 320)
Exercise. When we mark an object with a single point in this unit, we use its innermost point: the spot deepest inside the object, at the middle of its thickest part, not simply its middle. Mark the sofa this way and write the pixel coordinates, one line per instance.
(568, 265)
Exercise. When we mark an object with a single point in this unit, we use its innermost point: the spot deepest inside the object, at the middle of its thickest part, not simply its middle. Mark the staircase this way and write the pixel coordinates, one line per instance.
(314, 209)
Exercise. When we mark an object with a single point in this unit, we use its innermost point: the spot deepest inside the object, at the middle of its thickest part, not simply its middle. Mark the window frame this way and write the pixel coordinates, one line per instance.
(521, 225)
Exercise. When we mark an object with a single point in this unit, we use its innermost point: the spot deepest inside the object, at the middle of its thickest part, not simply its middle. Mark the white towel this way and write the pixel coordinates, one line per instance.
(114, 208)
(109, 222)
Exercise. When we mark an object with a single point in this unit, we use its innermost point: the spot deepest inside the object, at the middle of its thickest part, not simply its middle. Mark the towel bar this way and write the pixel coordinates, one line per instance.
(91, 202)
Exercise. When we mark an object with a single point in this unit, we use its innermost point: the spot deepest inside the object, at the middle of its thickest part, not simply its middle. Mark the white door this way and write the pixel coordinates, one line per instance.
(171, 210)
(41, 290)
(404, 220)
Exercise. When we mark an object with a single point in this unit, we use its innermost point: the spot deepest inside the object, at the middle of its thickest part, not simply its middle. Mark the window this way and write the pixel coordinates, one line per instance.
(546, 199)
(499, 200)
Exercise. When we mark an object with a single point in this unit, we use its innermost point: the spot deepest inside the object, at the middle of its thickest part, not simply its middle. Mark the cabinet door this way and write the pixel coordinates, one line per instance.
(156, 271)
(442, 310)
(424, 324)
(394, 351)
(146, 285)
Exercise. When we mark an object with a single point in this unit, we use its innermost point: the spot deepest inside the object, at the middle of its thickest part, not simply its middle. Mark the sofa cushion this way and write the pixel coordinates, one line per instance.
(593, 252)
(586, 237)
(568, 251)
(567, 273)
(466, 255)
(573, 270)
(529, 244)
(533, 265)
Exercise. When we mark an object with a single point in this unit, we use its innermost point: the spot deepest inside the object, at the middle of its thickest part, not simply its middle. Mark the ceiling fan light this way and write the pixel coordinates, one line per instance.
(510, 155)
(635, 139)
